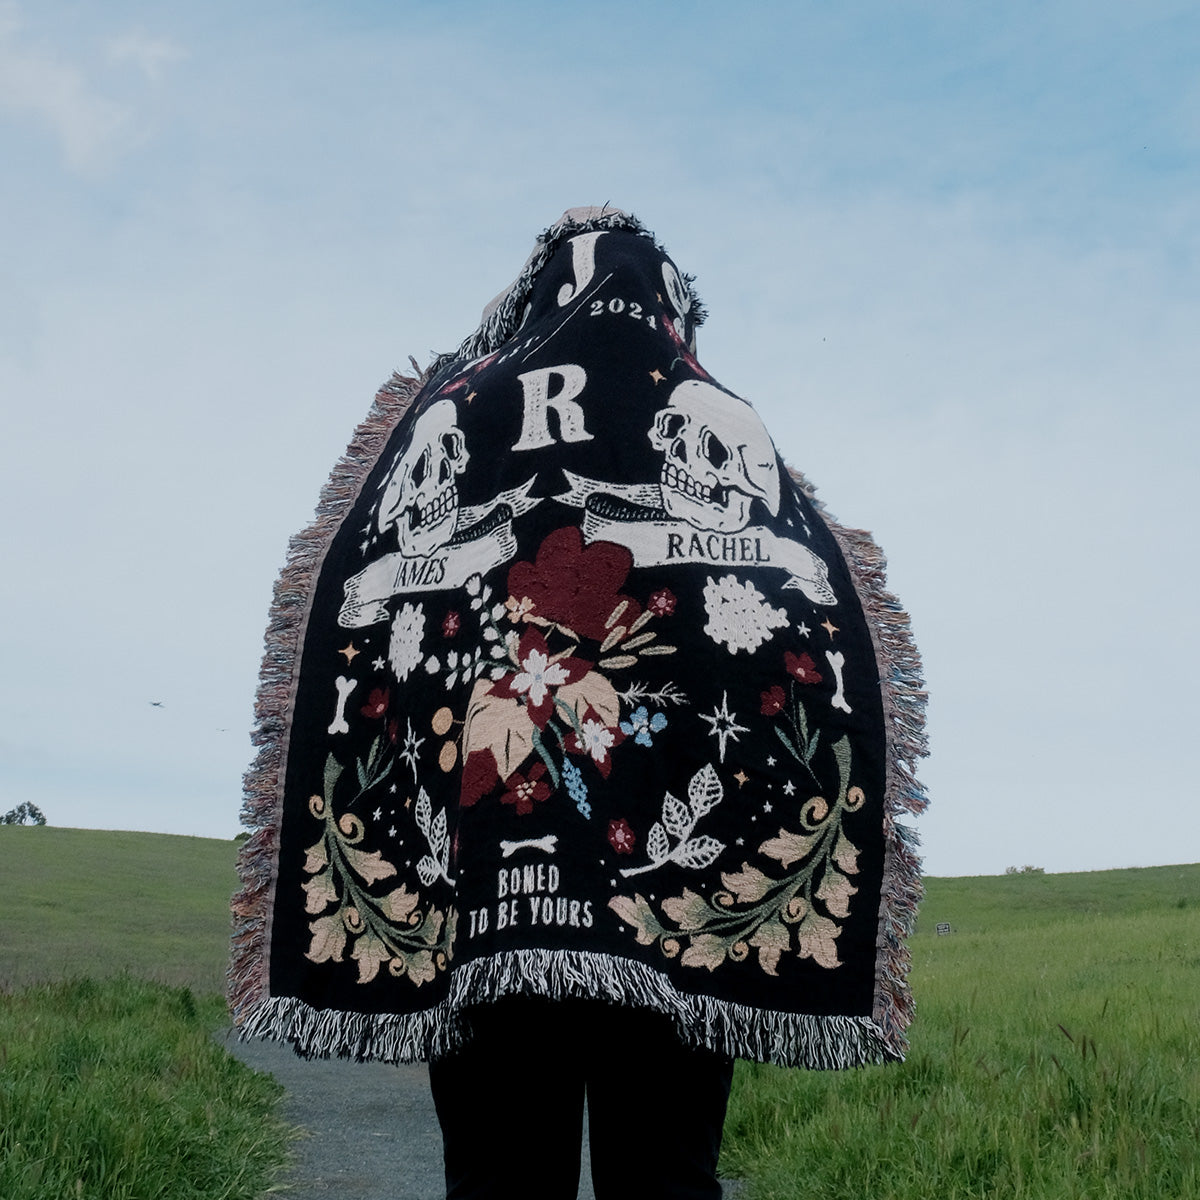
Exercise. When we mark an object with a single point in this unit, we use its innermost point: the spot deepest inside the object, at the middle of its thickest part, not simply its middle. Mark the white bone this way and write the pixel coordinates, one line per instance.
(836, 661)
(344, 688)
(547, 843)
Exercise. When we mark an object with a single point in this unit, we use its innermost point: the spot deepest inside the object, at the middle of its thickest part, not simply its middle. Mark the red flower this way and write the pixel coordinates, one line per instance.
(451, 623)
(539, 675)
(801, 667)
(772, 701)
(526, 790)
(662, 602)
(622, 838)
(393, 730)
(376, 704)
(576, 585)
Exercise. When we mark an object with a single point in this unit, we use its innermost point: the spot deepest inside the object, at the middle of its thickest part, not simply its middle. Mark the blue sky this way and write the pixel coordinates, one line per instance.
(950, 253)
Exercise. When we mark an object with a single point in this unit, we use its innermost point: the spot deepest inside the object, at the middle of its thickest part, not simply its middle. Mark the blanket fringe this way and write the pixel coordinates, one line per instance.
(902, 687)
(788, 1039)
(247, 978)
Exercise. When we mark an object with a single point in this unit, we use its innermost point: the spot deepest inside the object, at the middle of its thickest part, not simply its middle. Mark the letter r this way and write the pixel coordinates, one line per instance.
(535, 430)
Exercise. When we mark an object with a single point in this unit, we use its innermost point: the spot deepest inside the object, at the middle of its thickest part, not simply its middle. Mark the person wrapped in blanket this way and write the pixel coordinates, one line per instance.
(592, 760)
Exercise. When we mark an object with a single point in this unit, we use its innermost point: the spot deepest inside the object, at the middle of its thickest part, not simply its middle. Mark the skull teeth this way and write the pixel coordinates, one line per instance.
(436, 511)
(681, 481)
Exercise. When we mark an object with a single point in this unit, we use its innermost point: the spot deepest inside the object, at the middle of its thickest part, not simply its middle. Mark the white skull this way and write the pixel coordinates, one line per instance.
(717, 458)
(420, 496)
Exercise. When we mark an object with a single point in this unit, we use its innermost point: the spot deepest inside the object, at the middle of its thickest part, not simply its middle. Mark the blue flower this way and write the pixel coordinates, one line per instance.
(641, 725)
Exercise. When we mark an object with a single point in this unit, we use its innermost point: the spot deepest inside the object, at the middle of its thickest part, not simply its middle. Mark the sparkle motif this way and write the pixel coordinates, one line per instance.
(412, 749)
(350, 652)
(723, 725)
(657, 376)
(742, 778)
(829, 627)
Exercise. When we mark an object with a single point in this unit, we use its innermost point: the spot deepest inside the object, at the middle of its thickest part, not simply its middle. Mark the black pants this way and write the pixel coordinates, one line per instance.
(511, 1105)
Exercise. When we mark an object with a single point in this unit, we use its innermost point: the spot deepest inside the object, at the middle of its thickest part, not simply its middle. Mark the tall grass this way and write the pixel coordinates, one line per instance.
(117, 1091)
(1053, 1058)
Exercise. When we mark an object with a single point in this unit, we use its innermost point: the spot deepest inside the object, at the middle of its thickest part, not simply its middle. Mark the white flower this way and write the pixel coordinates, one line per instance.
(597, 739)
(537, 676)
(739, 618)
(404, 651)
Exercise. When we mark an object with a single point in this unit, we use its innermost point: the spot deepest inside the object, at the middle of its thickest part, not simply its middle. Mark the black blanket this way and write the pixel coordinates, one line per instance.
(573, 690)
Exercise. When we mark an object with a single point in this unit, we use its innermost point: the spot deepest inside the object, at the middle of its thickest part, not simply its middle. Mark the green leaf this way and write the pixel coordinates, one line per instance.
(544, 755)
(787, 741)
(841, 752)
(333, 772)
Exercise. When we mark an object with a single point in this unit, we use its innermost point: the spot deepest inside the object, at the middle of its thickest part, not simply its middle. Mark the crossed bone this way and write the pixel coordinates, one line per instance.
(547, 843)
(344, 688)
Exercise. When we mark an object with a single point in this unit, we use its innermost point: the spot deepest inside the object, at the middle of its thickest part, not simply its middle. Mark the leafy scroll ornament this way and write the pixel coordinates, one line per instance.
(395, 928)
(802, 910)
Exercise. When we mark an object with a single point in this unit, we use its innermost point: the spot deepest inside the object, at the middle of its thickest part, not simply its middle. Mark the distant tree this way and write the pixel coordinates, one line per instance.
(24, 814)
(1027, 870)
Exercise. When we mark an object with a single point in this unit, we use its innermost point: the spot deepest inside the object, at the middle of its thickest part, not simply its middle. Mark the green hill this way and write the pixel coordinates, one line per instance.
(96, 902)
(99, 902)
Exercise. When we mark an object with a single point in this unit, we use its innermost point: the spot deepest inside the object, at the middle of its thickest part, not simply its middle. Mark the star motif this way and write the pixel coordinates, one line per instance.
(723, 725)
(392, 831)
(803, 630)
(742, 778)
(770, 760)
(377, 814)
(767, 807)
(470, 396)
(412, 749)
(392, 789)
(789, 788)
(657, 376)
(378, 664)
(829, 627)
(741, 841)
(350, 652)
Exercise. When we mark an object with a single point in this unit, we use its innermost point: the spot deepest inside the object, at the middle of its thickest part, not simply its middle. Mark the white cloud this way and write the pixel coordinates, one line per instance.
(148, 53)
(89, 127)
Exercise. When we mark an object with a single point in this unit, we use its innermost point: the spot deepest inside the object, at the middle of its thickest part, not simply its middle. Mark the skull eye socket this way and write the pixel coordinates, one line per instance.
(713, 449)
(670, 423)
(450, 444)
(420, 471)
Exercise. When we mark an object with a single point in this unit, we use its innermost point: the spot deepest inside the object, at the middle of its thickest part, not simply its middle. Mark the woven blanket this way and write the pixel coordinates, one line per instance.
(572, 689)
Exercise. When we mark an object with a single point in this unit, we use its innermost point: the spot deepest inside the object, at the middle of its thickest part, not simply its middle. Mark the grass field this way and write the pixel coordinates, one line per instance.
(1053, 1058)
(86, 902)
